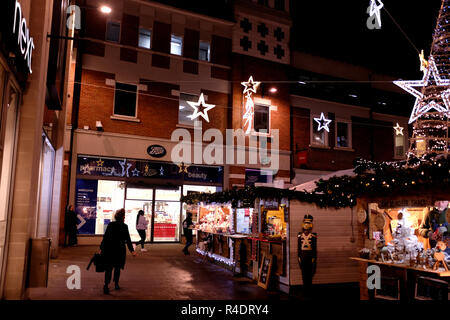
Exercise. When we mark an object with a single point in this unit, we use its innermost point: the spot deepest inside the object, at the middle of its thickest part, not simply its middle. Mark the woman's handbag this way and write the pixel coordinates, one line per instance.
(98, 261)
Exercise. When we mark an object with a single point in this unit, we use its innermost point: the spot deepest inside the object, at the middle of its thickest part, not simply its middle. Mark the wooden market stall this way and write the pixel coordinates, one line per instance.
(407, 270)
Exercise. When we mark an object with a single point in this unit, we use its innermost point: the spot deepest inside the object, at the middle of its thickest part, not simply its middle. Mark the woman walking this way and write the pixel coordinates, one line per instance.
(141, 227)
(113, 249)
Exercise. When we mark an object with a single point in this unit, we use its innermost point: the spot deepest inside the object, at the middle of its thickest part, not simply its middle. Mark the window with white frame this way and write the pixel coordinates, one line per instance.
(176, 45)
(113, 31)
(399, 145)
(204, 51)
(125, 100)
(185, 110)
(145, 36)
(343, 135)
(261, 120)
(318, 138)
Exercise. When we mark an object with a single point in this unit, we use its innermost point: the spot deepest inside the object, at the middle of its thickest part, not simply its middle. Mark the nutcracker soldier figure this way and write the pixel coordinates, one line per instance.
(307, 251)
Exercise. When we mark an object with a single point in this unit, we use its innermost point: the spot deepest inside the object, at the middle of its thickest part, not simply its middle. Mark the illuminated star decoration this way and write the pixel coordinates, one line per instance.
(250, 88)
(375, 10)
(419, 107)
(125, 171)
(322, 119)
(100, 163)
(196, 106)
(398, 130)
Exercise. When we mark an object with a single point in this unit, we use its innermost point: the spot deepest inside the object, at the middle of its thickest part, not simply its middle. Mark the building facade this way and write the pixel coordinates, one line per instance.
(32, 122)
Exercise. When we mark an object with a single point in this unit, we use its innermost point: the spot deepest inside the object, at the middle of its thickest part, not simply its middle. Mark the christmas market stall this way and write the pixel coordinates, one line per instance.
(403, 237)
(336, 230)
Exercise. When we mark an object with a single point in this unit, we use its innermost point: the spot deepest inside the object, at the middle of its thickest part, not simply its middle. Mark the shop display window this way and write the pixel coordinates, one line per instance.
(167, 215)
(274, 223)
(194, 208)
(110, 196)
(244, 217)
(215, 218)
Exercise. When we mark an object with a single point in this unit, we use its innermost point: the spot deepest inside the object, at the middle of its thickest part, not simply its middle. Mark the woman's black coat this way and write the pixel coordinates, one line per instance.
(113, 245)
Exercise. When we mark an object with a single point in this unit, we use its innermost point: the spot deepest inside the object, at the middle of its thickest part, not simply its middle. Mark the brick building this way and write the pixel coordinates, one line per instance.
(139, 68)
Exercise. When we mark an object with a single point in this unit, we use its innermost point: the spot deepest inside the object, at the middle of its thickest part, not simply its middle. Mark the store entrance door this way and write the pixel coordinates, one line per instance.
(138, 199)
(167, 215)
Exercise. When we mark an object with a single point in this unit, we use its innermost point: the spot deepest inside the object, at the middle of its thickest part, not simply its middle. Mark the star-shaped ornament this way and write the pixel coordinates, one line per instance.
(100, 163)
(135, 172)
(183, 167)
(375, 9)
(323, 122)
(196, 106)
(419, 107)
(250, 86)
(398, 130)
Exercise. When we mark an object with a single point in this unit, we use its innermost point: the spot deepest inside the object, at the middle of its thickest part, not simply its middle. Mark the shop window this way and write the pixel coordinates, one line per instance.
(167, 215)
(244, 218)
(318, 138)
(176, 45)
(185, 110)
(262, 118)
(145, 36)
(279, 5)
(204, 51)
(125, 100)
(110, 196)
(113, 31)
(343, 138)
(399, 146)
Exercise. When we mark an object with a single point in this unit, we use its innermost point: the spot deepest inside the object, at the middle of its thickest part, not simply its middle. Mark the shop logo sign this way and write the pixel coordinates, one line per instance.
(24, 41)
(156, 151)
(374, 280)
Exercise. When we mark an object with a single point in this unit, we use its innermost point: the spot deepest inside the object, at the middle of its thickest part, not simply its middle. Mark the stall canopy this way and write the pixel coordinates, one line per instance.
(310, 186)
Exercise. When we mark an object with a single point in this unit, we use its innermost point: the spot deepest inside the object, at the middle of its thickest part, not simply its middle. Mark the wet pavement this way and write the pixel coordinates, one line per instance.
(161, 273)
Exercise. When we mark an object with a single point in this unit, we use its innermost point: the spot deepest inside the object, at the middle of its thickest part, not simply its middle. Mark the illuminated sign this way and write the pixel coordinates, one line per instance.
(24, 42)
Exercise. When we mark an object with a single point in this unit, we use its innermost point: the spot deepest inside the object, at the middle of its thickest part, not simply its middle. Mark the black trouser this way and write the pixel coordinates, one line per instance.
(72, 235)
(188, 241)
(108, 273)
(308, 268)
(143, 236)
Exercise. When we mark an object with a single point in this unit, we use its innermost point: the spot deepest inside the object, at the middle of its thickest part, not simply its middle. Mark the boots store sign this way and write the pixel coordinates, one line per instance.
(18, 43)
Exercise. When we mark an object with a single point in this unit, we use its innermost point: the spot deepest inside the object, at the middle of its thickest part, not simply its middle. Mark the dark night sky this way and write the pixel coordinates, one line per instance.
(337, 29)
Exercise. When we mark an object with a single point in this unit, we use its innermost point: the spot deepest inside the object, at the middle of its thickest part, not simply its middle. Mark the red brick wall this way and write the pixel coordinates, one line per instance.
(157, 108)
(243, 67)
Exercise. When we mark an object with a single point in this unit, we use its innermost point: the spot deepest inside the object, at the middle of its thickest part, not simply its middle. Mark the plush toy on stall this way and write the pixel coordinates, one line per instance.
(307, 251)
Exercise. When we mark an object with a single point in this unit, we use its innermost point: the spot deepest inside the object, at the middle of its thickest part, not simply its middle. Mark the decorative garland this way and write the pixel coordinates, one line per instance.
(372, 178)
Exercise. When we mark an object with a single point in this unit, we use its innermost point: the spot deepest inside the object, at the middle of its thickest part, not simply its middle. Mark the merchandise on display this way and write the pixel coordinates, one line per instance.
(215, 219)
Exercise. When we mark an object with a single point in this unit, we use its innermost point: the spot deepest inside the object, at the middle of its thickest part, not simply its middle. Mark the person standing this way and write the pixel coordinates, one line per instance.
(435, 225)
(187, 230)
(141, 227)
(113, 248)
(70, 226)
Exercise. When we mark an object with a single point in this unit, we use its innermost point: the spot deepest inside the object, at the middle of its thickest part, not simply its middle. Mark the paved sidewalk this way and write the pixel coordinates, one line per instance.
(161, 273)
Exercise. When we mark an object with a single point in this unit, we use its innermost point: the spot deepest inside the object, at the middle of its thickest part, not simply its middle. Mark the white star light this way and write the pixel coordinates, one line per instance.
(419, 108)
(375, 10)
(398, 130)
(250, 86)
(196, 105)
(326, 122)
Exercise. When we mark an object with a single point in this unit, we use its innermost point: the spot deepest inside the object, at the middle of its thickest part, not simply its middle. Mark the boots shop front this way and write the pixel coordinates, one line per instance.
(104, 185)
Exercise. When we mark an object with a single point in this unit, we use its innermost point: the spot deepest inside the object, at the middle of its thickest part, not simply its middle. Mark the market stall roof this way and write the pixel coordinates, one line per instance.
(310, 186)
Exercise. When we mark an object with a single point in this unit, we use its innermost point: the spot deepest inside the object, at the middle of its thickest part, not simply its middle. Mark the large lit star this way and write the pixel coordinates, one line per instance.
(375, 10)
(196, 106)
(420, 107)
(323, 122)
(398, 130)
(250, 86)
